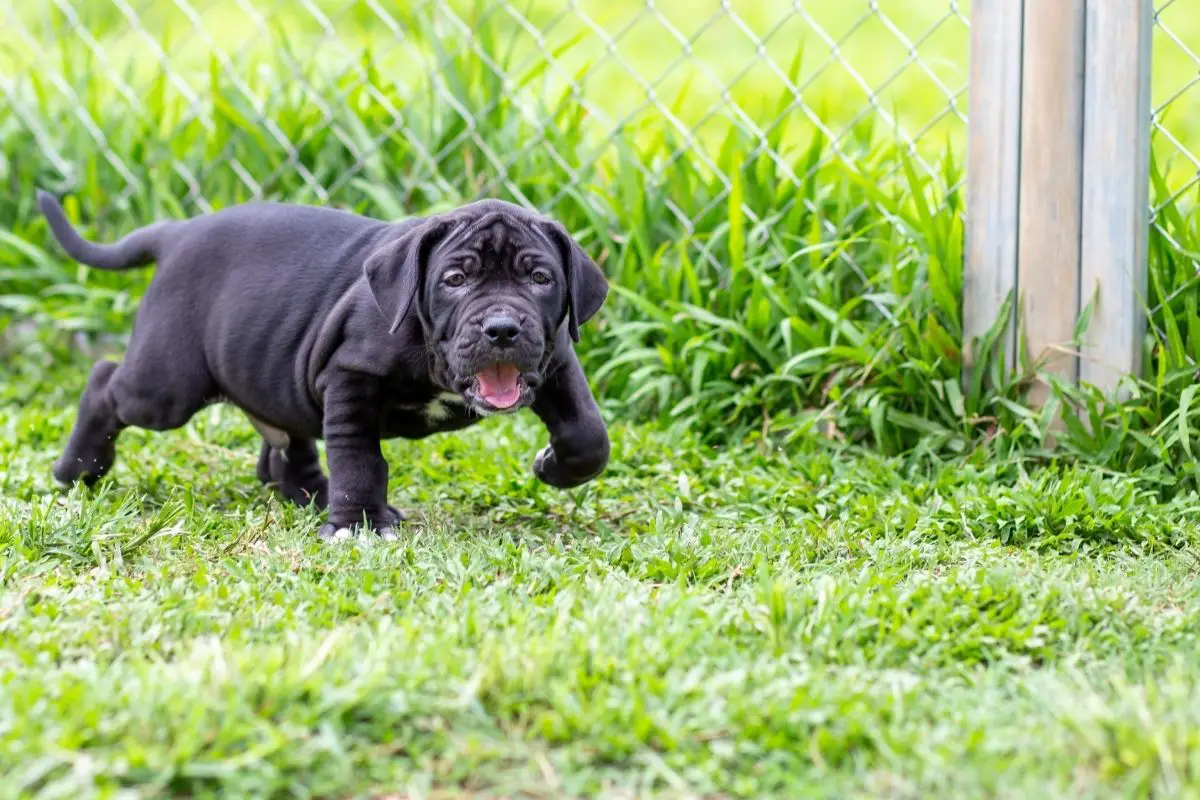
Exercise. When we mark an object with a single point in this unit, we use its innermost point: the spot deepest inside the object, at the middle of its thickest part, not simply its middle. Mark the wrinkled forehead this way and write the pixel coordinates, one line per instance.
(495, 232)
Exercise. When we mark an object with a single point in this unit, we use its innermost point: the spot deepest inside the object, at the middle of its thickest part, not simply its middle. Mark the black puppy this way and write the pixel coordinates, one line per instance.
(320, 323)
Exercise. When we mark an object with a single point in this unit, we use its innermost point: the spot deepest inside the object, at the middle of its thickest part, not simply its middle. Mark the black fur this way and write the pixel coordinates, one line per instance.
(324, 324)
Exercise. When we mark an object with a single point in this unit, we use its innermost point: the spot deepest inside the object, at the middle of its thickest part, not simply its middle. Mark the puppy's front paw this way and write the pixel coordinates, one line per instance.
(545, 466)
(551, 471)
(332, 533)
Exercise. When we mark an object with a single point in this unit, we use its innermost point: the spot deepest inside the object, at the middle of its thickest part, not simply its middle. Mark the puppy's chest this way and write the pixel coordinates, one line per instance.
(412, 415)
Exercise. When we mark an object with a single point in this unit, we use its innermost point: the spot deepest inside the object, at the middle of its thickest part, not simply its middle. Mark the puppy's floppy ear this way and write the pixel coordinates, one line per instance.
(587, 287)
(394, 271)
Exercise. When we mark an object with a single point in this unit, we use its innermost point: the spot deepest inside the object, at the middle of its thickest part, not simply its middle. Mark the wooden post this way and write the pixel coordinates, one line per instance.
(1116, 186)
(993, 167)
(1058, 180)
(1051, 185)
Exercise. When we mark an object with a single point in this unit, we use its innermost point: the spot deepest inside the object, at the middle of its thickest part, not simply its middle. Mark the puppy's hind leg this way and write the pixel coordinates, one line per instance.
(152, 390)
(92, 448)
(295, 472)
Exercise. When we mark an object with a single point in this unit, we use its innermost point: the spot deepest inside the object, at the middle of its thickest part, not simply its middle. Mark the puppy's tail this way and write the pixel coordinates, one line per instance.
(136, 250)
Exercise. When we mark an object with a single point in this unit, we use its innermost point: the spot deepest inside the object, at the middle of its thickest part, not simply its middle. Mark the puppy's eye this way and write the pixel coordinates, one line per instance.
(540, 277)
(454, 279)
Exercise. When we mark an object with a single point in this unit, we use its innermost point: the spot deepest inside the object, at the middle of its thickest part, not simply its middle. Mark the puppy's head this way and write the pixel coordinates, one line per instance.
(491, 284)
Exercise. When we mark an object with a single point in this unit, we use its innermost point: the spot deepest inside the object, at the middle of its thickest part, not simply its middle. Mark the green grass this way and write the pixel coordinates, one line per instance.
(769, 286)
(820, 564)
(729, 622)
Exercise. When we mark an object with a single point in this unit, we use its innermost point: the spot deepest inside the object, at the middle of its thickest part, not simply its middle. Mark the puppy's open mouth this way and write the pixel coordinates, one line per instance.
(499, 387)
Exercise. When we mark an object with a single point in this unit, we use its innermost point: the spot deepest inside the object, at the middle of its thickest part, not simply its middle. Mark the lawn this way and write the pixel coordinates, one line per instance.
(700, 622)
(819, 565)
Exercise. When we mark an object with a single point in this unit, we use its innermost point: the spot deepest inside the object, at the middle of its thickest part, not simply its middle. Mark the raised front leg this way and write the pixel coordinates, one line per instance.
(357, 470)
(579, 447)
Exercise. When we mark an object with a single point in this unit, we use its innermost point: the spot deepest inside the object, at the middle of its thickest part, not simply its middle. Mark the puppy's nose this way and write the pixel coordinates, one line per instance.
(501, 330)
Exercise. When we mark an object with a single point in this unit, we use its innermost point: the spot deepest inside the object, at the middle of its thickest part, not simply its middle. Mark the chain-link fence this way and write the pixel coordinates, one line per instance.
(901, 64)
(855, 72)
(894, 69)
(1175, 126)
(1175, 121)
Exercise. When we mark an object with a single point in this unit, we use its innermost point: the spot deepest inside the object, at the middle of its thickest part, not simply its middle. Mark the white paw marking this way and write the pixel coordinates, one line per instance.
(364, 536)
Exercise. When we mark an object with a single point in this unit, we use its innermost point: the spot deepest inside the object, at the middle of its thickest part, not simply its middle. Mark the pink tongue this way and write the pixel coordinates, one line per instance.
(498, 385)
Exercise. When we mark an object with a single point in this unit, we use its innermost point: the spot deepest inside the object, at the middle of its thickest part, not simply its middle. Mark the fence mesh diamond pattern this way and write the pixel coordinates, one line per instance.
(316, 100)
(284, 74)
(1175, 105)
(1174, 121)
